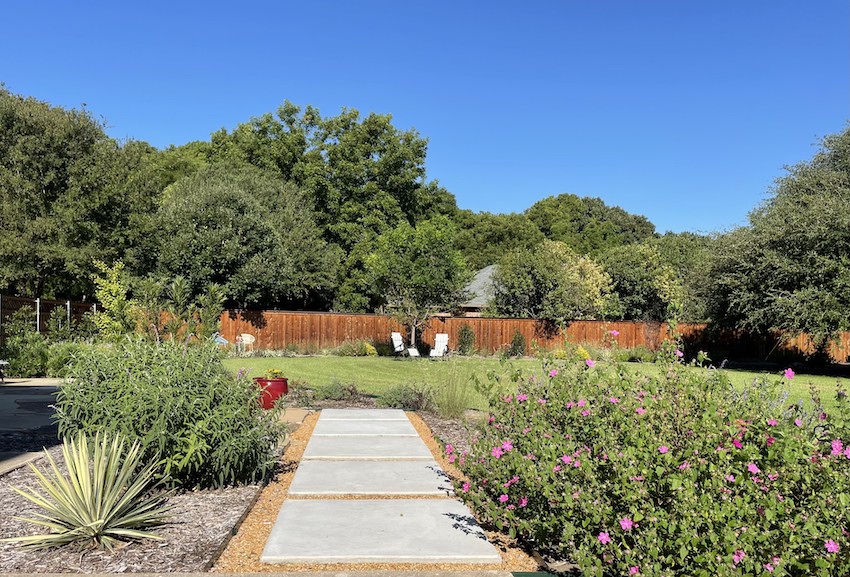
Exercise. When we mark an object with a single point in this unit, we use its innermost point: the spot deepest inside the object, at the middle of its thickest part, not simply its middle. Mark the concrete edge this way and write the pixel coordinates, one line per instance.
(9, 465)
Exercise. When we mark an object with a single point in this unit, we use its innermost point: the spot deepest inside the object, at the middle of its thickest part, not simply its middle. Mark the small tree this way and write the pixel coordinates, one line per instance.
(417, 272)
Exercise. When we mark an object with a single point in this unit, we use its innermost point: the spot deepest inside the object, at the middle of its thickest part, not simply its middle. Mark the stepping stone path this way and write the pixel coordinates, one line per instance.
(371, 456)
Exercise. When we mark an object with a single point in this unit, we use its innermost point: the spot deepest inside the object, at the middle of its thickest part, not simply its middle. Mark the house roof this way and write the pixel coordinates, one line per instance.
(481, 288)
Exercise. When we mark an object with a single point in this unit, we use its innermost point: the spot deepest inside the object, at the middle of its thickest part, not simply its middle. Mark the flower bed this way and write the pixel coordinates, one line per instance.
(678, 474)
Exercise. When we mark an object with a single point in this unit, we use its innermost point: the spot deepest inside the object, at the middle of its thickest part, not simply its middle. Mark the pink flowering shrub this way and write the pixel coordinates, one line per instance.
(682, 475)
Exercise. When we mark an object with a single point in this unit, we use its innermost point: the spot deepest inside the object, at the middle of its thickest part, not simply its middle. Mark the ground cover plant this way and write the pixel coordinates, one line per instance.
(672, 473)
(203, 424)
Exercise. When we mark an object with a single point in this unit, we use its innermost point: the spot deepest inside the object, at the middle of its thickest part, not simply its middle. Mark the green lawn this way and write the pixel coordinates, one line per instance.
(374, 375)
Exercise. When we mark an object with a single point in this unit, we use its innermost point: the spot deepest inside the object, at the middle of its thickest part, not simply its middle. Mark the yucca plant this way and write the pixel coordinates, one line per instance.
(105, 499)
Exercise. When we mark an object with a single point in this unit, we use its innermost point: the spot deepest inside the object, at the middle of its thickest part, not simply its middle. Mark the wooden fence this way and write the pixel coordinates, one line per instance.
(42, 308)
(317, 331)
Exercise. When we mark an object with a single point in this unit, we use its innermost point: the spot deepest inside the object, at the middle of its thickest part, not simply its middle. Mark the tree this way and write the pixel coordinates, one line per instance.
(256, 237)
(646, 288)
(790, 269)
(588, 225)
(484, 238)
(418, 272)
(57, 210)
(550, 283)
(689, 255)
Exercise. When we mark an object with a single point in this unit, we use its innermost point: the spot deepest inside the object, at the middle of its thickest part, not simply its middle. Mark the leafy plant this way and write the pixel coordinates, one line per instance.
(356, 348)
(26, 349)
(338, 391)
(206, 426)
(465, 340)
(452, 397)
(59, 357)
(407, 396)
(677, 473)
(105, 498)
(116, 315)
(517, 347)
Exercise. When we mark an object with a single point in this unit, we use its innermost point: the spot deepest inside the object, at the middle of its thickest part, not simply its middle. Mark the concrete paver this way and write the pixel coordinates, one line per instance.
(364, 428)
(380, 448)
(370, 478)
(379, 531)
(364, 414)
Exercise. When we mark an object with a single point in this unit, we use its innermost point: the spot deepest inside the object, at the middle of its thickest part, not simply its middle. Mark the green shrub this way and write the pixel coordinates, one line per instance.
(638, 354)
(675, 474)
(517, 347)
(338, 391)
(355, 348)
(180, 402)
(60, 355)
(465, 340)
(26, 348)
(409, 397)
(452, 397)
(104, 500)
(58, 327)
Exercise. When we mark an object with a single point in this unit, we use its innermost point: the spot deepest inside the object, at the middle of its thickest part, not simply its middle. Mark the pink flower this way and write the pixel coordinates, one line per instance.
(556, 468)
(581, 402)
(614, 333)
(638, 478)
(585, 413)
(822, 416)
(553, 373)
(449, 449)
(789, 373)
(466, 487)
(570, 405)
(772, 422)
(737, 443)
(837, 447)
(634, 570)
(604, 538)
(738, 556)
(452, 458)
(663, 449)
(798, 422)
(679, 353)
(509, 398)
(768, 567)
(770, 440)
(566, 459)
(523, 501)
(503, 498)
(847, 452)
(508, 446)
(730, 478)
(831, 546)
(497, 452)
(640, 410)
(684, 466)
(626, 524)
(520, 398)
(613, 400)
(590, 363)
(753, 468)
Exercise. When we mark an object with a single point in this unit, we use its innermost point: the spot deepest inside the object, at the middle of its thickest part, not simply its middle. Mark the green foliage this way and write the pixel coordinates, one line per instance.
(690, 256)
(408, 396)
(58, 326)
(483, 238)
(551, 283)
(179, 402)
(60, 355)
(465, 340)
(115, 317)
(790, 269)
(417, 273)
(356, 348)
(453, 396)
(26, 349)
(518, 345)
(338, 391)
(104, 500)
(677, 473)
(646, 288)
(587, 225)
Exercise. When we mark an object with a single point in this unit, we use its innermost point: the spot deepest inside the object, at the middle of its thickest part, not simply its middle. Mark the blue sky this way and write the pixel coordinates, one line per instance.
(684, 111)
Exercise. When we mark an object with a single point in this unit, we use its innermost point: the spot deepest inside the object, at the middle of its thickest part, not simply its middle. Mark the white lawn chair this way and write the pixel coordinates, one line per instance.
(441, 345)
(248, 341)
(398, 343)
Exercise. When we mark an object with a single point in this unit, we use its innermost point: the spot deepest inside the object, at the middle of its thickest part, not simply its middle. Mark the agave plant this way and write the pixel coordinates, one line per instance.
(103, 500)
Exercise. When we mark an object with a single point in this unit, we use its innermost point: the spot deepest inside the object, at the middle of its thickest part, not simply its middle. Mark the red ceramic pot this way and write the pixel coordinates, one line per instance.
(273, 389)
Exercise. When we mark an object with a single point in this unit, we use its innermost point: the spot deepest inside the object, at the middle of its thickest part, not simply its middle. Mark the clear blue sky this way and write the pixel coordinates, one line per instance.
(684, 111)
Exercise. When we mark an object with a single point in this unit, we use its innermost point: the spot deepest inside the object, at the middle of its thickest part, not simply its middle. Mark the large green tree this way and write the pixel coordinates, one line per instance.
(416, 272)
(588, 225)
(484, 237)
(550, 283)
(790, 269)
(254, 235)
(58, 207)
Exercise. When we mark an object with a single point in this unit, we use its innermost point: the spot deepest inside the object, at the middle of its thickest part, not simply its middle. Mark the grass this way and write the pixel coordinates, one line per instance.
(374, 375)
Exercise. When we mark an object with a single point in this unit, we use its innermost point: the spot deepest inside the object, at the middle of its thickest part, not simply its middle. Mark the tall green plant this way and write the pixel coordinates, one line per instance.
(115, 315)
(179, 402)
(26, 349)
(105, 499)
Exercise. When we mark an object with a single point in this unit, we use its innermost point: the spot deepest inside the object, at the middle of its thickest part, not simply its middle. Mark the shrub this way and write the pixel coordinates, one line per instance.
(338, 391)
(465, 340)
(675, 474)
(60, 355)
(104, 500)
(355, 348)
(638, 354)
(517, 348)
(407, 396)
(26, 348)
(453, 397)
(179, 402)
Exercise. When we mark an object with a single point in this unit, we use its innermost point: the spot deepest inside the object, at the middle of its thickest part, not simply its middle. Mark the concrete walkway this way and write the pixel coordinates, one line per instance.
(369, 491)
(26, 412)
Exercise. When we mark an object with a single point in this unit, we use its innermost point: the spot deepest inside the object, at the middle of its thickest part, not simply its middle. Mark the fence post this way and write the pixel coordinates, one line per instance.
(68, 309)
(2, 341)
(38, 315)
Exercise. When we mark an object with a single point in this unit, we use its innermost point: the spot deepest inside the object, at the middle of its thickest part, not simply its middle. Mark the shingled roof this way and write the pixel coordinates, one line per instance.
(481, 288)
